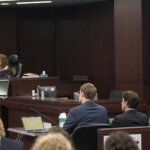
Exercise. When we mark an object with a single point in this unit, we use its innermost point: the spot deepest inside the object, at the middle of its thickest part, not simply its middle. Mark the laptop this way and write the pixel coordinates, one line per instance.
(4, 84)
(33, 124)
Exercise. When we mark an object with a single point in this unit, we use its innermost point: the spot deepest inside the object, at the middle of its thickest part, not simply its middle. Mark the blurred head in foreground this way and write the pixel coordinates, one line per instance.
(54, 141)
(120, 141)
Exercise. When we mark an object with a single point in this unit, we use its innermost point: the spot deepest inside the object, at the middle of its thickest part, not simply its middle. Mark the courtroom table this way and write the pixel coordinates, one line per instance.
(24, 86)
(15, 107)
(28, 138)
(12, 109)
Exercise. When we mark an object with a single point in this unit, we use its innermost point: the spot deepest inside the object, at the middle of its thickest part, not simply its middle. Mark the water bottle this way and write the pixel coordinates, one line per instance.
(62, 119)
(43, 75)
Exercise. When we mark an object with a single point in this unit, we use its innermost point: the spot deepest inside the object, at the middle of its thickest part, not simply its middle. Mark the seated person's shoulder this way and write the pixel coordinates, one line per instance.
(13, 144)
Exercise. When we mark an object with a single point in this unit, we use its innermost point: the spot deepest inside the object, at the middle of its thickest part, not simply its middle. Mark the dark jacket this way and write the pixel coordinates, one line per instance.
(87, 113)
(9, 144)
(130, 118)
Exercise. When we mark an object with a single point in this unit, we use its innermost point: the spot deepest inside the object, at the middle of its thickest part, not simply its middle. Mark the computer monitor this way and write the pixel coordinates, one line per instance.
(76, 96)
(4, 84)
(49, 91)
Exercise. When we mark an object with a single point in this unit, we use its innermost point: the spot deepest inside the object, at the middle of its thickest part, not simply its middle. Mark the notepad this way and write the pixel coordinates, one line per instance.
(33, 124)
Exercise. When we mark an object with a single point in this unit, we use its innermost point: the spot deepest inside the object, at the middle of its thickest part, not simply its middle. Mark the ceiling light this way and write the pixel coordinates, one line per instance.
(8, 0)
(34, 2)
(4, 4)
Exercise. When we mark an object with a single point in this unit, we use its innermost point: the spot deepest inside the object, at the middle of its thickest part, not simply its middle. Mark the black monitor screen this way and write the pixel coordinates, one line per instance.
(49, 91)
(4, 84)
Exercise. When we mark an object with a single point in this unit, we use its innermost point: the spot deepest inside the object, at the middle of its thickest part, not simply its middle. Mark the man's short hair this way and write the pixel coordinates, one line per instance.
(132, 98)
(89, 90)
(120, 141)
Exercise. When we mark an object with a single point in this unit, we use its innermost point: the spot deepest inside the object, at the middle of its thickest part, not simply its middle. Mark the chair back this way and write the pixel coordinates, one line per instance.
(15, 66)
(115, 94)
(85, 137)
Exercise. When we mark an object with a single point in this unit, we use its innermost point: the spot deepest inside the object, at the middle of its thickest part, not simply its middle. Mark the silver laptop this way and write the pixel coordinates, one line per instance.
(4, 84)
(33, 124)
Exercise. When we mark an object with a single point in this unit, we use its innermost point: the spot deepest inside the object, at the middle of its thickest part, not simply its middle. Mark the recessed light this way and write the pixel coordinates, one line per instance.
(4, 4)
(34, 2)
(8, 0)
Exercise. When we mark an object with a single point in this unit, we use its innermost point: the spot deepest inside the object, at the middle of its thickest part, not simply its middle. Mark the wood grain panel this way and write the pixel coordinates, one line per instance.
(8, 31)
(86, 37)
(128, 43)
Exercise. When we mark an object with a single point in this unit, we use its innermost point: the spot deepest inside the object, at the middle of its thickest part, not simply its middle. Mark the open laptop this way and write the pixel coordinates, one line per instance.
(33, 124)
(4, 84)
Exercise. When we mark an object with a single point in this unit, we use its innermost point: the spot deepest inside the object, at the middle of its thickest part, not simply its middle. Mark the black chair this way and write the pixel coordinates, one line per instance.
(115, 94)
(85, 137)
(15, 66)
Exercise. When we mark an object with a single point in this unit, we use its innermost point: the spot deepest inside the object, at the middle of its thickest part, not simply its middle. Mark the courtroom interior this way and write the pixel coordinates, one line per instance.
(104, 42)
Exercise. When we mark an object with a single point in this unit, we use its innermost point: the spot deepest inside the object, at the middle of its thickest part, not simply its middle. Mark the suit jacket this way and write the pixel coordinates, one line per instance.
(9, 144)
(130, 118)
(87, 113)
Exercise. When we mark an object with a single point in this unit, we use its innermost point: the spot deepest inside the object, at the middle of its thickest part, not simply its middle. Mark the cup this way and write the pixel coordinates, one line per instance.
(42, 95)
(62, 119)
(33, 93)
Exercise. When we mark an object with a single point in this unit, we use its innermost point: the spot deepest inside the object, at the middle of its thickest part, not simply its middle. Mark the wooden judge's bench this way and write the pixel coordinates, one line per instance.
(21, 103)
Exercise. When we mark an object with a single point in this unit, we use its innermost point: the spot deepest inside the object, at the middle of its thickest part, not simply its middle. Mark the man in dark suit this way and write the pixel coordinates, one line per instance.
(88, 112)
(8, 144)
(131, 117)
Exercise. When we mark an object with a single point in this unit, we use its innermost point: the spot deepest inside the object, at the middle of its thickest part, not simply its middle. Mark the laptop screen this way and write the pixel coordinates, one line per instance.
(33, 124)
(4, 84)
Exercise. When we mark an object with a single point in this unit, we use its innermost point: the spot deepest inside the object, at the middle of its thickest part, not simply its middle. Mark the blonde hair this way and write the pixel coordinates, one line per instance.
(52, 141)
(4, 61)
(89, 90)
(2, 129)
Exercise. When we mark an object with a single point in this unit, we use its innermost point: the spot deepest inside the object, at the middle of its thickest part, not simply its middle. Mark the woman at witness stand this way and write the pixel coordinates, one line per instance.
(52, 141)
(4, 71)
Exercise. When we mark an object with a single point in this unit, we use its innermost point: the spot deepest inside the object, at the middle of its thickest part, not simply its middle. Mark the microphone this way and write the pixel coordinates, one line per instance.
(41, 114)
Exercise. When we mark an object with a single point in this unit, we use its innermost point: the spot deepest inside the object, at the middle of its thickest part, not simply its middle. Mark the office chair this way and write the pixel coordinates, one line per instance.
(85, 137)
(15, 66)
(115, 94)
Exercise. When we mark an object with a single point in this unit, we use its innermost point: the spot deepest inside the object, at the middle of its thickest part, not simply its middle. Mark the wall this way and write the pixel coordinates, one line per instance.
(86, 44)
(146, 48)
(77, 40)
(8, 31)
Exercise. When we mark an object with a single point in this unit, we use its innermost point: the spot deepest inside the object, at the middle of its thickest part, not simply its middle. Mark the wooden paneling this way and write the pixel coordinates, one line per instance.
(128, 45)
(36, 45)
(86, 36)
(8, 31)
(146, 48)
(86, 44)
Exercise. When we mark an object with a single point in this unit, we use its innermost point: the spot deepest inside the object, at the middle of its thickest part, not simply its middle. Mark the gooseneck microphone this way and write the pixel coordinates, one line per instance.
(44, 116)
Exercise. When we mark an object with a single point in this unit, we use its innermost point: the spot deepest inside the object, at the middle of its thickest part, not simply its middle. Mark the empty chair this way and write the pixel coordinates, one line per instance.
(115, 94)
(85, 136)
(15, 66)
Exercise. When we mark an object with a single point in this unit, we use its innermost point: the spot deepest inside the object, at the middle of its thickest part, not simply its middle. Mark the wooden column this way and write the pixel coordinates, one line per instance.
(128, 45)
